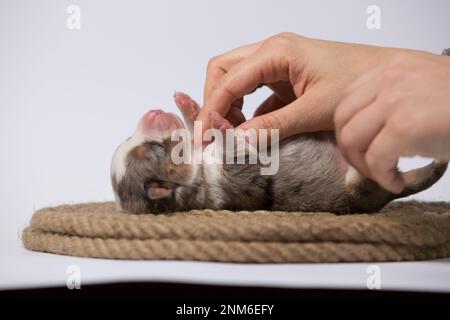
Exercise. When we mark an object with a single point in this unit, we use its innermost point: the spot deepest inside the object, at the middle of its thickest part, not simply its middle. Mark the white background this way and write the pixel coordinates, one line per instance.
(67, 98)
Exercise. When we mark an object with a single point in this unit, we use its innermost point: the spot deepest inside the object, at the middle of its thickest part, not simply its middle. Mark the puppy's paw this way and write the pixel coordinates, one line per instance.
(188, 107)
(218, 122)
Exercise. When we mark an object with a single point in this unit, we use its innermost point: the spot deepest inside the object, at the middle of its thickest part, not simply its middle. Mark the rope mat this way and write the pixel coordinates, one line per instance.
(402, 231)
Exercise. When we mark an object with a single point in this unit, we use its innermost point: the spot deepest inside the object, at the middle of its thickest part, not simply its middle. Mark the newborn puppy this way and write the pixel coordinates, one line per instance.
(312, 175)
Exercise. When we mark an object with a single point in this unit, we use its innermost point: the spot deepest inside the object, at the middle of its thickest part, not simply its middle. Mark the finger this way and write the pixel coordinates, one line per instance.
(382, 159)
(283, 95)
(220, 65)
(284, 91)
(238, 103)
(309, 113)
(262, 67)
(359, 97)
(358, 133)
(272, 103)
(235, 116)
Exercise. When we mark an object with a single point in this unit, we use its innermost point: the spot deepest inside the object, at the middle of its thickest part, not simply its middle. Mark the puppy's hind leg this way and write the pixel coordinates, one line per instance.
(365, 194)
(368, 196)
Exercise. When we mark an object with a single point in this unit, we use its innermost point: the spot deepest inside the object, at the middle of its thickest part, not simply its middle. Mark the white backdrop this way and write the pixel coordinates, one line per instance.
(68, 97)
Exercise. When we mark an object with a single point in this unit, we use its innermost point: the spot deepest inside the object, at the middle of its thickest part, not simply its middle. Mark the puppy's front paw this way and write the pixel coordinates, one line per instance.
(218, 122)
(188, 107)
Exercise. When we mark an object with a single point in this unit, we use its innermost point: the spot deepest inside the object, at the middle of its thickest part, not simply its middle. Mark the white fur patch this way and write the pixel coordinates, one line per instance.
(117, 201)
(118, 163)
(352, 177)
(213, 173)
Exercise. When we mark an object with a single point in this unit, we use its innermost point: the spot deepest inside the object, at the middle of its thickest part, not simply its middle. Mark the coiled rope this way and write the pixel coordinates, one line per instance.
(402, 231)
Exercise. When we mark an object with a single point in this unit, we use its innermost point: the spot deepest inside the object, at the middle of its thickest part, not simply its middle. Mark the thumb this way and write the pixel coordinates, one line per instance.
(309, 113)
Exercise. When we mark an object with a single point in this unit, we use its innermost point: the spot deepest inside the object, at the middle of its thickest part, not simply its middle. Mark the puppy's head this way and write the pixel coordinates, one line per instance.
(143, 175)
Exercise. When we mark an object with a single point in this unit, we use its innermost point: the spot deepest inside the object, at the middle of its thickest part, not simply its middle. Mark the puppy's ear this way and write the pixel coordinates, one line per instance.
(155, 193)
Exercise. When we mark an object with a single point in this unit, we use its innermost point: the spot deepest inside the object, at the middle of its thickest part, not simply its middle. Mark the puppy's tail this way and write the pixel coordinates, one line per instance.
(367, 196)
(422, 178)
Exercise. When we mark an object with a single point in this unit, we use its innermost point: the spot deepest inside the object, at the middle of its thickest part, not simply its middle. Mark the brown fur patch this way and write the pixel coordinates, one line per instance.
(139, 152)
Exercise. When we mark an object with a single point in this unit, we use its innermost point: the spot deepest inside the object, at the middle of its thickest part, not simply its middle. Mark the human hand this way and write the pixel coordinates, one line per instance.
(307, 77)
(400, 108)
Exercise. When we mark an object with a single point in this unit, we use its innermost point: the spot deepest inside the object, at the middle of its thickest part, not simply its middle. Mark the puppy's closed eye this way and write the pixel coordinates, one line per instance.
(156, 148)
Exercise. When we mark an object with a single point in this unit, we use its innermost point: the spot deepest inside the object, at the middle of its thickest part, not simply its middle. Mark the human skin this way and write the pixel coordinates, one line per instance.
(311, 79)
(400, 108)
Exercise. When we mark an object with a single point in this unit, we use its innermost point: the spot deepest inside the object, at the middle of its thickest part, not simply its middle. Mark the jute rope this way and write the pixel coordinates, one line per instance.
(402, 231)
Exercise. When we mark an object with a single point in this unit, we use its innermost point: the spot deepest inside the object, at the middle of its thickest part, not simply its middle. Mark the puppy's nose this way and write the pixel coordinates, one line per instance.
(158, 123)
(152, 120)
(153, 113)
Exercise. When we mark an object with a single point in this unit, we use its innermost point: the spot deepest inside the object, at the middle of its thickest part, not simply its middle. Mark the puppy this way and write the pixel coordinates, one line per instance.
(312, 175)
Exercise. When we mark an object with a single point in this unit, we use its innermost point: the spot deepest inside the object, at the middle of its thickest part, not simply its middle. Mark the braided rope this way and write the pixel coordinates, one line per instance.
(403, 231)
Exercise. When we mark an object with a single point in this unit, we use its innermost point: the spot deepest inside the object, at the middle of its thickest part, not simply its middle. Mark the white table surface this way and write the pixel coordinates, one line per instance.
(21, 269)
